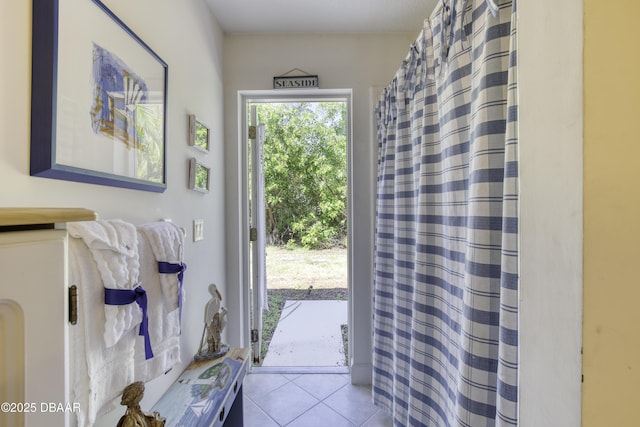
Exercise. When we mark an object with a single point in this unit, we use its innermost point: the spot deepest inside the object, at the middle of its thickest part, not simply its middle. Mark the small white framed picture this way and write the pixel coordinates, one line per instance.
(199, 176)
(198, 134)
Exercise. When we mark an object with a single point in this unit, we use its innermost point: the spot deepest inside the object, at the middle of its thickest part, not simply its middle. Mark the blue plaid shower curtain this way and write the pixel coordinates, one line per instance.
(446, 258)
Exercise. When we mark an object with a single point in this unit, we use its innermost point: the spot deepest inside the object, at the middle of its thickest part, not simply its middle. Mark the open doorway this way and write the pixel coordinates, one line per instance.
(298, 179)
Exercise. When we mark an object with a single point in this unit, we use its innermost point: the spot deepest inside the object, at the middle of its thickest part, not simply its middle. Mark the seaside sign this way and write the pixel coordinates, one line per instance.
(288, 81)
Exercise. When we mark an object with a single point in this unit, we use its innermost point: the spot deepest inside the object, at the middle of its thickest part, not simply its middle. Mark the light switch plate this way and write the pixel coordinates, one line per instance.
(198, 230)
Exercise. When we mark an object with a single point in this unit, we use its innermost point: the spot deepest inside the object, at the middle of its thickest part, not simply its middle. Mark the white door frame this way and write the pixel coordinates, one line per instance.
(291, 95)
(257, 222)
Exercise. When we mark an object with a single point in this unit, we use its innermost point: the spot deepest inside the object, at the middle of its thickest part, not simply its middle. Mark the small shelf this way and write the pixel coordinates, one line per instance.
(24, 217)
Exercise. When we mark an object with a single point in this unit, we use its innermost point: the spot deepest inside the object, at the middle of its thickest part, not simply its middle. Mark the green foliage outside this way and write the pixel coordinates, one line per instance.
(149, 140)
(201, 136)
(202, 177)
(305, 157)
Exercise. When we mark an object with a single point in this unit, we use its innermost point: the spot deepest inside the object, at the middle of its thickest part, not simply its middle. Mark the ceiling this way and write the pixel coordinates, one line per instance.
(321, 16)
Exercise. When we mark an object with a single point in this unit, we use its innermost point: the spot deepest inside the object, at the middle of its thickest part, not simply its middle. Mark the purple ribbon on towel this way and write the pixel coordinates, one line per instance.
(127, 296)
(171, 268)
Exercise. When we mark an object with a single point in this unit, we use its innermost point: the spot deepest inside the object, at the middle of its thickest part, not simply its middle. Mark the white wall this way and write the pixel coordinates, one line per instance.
(550, 90)
(185, 35)
(355, 62)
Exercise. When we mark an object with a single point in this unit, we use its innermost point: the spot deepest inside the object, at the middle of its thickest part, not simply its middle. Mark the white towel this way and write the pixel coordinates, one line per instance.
(113, 245)
(100, 373)
(167, 242)
(163, 330)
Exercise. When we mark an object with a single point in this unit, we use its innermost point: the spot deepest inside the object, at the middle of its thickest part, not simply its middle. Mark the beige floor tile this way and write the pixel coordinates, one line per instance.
(285, 403)
(321, 385)
(253, 416)
(380, 419)
(259, 384)
(353, 403)
(320, 416)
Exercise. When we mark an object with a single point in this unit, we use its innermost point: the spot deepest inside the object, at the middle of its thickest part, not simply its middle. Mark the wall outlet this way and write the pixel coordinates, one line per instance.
(198, 230)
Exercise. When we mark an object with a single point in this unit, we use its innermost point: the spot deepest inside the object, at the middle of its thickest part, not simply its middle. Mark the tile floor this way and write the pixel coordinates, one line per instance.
(308, 400)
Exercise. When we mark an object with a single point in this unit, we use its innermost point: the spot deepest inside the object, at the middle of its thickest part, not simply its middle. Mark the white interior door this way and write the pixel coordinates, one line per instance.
(258, 235)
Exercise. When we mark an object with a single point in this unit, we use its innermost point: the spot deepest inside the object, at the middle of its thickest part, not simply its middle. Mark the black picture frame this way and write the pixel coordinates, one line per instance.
(109, 129)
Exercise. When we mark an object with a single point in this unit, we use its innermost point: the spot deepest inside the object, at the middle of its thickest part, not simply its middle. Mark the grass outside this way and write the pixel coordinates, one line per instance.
(298, 274)
(301, 268)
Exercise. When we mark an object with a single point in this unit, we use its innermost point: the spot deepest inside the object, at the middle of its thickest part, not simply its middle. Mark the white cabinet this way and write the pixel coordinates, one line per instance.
(34, 327)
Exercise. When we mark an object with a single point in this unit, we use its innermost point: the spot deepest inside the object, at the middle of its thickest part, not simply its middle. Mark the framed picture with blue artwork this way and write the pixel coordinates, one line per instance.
(98, 99)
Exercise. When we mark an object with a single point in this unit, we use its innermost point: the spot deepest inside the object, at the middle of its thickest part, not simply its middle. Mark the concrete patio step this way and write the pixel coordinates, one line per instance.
(308, 334)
